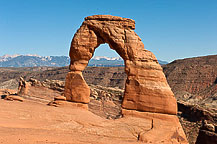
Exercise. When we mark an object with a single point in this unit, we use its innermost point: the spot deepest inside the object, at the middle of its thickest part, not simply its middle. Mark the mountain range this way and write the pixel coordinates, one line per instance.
(30, 60)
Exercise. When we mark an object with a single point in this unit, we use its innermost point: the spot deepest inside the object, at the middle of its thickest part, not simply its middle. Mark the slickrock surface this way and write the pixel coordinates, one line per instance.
(32, 122)
(146, 88)
(106, 103)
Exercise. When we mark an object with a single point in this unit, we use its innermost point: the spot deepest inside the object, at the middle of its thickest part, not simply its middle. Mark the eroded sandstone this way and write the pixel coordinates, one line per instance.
(147, 93)
(146, 88)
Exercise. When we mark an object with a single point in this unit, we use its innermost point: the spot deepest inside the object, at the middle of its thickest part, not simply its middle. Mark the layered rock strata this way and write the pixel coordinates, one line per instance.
(197, 76)
(146, 88)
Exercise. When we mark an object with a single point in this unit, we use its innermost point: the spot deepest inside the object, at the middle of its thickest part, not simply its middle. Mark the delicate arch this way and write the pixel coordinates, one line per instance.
(146, 88)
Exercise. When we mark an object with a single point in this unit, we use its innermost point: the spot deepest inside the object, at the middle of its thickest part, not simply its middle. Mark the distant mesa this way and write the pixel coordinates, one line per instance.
(32, 60)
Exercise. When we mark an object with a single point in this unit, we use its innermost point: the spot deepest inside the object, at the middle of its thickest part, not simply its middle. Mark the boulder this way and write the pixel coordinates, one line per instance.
(14, 98)
(62, 98)
(61, 103)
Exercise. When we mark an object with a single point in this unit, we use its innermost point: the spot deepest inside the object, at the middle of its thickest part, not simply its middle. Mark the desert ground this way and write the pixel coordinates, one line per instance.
(33, 121)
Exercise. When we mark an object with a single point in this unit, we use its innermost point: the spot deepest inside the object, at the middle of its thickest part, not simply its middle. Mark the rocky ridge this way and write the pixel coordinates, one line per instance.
(196, 76)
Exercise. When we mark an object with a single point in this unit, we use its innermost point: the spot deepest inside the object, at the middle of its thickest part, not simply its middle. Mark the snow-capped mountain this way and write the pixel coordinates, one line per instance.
(106, 61)
(107, 58)
(31, 60)
(8, 57)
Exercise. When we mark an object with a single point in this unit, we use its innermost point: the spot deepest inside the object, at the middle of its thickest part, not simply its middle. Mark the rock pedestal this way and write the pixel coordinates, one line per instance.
(76, 89)
(23, 87)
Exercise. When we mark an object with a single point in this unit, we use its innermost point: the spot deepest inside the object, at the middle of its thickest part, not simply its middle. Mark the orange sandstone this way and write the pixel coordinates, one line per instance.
(146, 88)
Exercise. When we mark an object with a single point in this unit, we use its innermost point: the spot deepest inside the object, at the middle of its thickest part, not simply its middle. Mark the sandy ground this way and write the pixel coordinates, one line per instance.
(30, 122)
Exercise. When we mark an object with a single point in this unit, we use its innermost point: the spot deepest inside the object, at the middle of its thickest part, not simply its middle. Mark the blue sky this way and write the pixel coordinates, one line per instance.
(171, 29)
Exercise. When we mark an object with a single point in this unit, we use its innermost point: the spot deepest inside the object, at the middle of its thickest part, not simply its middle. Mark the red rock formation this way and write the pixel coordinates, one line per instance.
(164, 128)
(76, 89)
(42, 92)
(23, 87)
(146, 88)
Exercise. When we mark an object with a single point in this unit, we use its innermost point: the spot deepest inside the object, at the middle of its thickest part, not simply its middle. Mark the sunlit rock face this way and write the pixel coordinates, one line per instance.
(146, 88)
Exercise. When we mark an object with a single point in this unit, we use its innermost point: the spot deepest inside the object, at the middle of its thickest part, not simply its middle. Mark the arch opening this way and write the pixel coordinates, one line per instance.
(105, 77)
(104, 56)
(105, 50)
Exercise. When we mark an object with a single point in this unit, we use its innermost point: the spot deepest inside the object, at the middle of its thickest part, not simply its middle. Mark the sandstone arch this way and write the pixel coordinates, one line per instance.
(146, 88)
